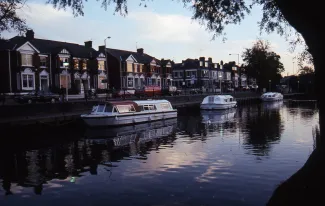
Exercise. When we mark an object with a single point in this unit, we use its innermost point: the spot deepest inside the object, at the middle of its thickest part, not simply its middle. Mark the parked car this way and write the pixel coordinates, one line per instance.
(37, 96)
(196, 91)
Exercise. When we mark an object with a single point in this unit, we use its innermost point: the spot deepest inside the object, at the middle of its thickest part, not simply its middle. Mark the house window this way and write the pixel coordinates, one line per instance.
(130, 81)
(206, 64)
(215, 65)
(188, 74)
(180, 74)
(43, 61)
(26, 59)
(101, 65)
(101, 85)
(129, 67)
(63, 60)
(76, 63)
(65, 81)
(194, 73)
(201, 63)
(84, 64)
(28, 81)
(158, 82)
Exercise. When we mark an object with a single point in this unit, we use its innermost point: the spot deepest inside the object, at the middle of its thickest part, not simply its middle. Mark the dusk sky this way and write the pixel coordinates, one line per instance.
(164, 29)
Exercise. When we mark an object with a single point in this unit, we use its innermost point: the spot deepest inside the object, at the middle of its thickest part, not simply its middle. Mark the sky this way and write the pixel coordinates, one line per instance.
(164, 29)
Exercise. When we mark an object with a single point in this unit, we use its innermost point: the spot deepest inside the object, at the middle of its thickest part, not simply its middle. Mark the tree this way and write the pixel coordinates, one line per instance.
(9, 19)
(306, 70)
(262, 64)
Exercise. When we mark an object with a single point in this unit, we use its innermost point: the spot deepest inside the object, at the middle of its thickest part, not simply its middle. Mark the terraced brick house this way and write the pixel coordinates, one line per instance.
(30, 64)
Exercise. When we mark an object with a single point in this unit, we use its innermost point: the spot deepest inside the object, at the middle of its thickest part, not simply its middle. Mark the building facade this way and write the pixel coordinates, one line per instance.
(134, 70)
(30, 64)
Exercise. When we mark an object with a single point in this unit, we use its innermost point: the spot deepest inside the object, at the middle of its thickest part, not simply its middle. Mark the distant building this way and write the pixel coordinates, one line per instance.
(133, 70)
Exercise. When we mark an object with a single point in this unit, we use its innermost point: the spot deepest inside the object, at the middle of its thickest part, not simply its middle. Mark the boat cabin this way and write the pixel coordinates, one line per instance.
(218, 99)
(122, 107)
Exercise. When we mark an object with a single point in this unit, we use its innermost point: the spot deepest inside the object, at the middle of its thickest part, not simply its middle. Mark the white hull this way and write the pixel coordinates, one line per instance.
(126, 119)
(218, 106)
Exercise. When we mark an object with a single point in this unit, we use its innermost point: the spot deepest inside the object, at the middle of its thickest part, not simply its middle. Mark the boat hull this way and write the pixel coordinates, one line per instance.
(218, 106)
(119, 120)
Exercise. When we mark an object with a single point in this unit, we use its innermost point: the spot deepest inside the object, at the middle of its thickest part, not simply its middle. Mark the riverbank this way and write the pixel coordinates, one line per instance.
(60, 113)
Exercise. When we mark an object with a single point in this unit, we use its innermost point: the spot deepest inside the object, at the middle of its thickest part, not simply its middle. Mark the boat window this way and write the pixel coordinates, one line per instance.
(125, 108)
(210, 99)
(94, 109)
(114, 110)
(230, 100)
(149, 107)
(108, 108)
(165, 106)
(100, 108)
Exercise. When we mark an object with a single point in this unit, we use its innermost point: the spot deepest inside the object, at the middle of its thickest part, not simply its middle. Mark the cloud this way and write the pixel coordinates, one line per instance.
(174, 36)
(166, 28)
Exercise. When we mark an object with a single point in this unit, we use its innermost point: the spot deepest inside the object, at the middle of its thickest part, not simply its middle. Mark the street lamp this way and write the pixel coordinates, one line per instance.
(66, 65)
(269, 85)
(220, 76)
(237, 56)
(106, 62)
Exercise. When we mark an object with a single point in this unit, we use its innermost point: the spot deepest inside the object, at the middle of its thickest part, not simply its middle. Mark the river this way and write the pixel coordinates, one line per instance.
(237, 157)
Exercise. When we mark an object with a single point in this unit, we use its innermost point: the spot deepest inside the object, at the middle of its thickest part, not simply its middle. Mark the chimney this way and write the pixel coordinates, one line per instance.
(202, 61)
(210, 60)
(221, 62)
(140, 51)
(89, 44)
(29, 34)
(101, 48)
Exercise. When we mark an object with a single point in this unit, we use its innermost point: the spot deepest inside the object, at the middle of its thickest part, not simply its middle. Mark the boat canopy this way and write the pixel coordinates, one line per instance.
(271, 94)
(218, 99)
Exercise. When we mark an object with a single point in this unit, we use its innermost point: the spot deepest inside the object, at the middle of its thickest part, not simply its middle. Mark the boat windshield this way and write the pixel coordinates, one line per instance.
(100, 108)
(125, 108)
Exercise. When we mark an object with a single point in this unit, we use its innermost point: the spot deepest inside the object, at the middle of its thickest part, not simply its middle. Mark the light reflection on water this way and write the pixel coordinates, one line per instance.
(236, 157)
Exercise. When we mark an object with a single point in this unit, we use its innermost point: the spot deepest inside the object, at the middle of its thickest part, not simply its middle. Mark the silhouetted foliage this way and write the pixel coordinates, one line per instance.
(263, 64)
(9, 19)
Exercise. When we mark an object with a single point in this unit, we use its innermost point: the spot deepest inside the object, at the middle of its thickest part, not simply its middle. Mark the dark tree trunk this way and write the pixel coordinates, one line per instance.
(307, 18)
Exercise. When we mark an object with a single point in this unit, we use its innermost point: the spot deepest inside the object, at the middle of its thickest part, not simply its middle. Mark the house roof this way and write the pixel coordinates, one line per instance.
(124, 54)
(5, 44)
(54, 47)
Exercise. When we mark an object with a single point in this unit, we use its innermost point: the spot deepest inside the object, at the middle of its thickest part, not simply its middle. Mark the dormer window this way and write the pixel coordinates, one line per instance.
(26, 59)
(76, 63)
(201, 63)
(63, 60)
(206, 64)
(216, 66)
(84, 64)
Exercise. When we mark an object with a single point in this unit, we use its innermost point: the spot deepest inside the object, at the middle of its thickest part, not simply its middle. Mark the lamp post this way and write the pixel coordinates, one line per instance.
(298, 86)
(237, 57)
(66, 65)
(220, 76)
(269, 85)
(106, 62)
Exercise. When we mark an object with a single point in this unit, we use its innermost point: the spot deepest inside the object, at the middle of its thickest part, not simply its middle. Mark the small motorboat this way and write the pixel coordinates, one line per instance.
(118, 113)
(272, 96)
(216, 102)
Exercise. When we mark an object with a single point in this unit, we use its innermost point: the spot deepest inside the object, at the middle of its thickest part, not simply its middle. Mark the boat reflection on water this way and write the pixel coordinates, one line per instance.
(272, 105)
(218, 117)
(139, 133)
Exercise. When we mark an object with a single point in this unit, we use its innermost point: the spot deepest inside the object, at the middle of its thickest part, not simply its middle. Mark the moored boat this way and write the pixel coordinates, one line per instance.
(272, 96)
(216, 102)
(118, 113)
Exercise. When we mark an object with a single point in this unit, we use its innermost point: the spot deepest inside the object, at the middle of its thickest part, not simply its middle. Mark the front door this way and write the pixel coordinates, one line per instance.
(77, 84)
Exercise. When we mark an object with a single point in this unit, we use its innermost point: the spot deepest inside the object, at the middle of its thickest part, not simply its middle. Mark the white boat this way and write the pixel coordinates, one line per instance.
(215, 102)
(117, 113)
(272, 96)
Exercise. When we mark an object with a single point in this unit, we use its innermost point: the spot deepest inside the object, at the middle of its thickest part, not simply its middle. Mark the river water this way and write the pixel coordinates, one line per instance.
(236, 157)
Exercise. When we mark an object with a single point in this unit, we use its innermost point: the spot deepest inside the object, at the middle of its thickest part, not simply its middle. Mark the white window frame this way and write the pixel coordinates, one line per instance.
(27, 72)
(99, 82)
(127, 81)
(27, 53)
(64, 57)
(99, 68)
(40, 60)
